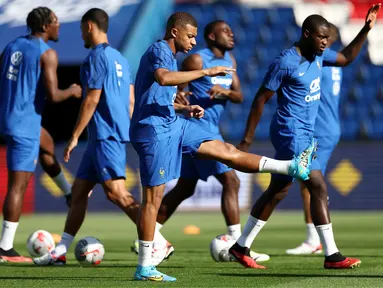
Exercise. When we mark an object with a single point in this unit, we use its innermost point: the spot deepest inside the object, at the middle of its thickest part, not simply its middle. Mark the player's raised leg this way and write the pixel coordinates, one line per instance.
(50, 164)
(298, 167)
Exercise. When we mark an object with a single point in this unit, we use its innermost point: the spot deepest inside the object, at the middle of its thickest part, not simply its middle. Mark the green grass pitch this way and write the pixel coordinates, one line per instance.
(358, 234)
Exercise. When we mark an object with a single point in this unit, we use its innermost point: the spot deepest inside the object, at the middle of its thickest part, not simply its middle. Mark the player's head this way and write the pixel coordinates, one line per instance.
(182, 27)
(93, 23)
(333, 34)
(315, 32)
(42, 20)
(219, 34)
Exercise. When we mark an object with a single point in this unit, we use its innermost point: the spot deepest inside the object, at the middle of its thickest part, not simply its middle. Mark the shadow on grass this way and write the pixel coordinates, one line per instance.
(279, 275)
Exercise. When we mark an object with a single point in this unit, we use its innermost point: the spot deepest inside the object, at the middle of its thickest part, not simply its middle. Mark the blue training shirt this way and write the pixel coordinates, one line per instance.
(200, 87)
(22, 93)
(327, 121)
(154, 116)
(105, 68)
(297, 82)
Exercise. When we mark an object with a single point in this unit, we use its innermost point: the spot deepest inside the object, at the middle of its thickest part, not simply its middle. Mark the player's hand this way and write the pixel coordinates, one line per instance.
(372, 15)
(243, 146)
(181, 98)
(218, 92)
(194, 111)
(219, 71)
(69, 148)
(76, 90)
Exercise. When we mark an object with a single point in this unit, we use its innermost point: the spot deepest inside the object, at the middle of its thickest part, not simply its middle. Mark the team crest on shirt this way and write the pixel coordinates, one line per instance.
(162, 172)
(318, 64)
(16, 58)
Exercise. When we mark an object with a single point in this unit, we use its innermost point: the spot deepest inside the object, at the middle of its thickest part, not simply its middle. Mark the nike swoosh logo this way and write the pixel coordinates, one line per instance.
(301, 74)
(145, 245)
(155, 278)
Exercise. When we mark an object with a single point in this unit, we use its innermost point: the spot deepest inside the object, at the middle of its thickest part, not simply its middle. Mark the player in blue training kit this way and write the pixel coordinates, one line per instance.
(296, 78)
(107, 90)
(28, 76)
(212, 94)
(327, 132)
(160, 137)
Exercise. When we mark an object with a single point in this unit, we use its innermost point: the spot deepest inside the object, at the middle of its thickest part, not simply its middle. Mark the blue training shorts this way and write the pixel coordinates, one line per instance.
(160, 160)
(193, 168)
(288, 146)
(22, 153)
(103, 160)
(326, 146)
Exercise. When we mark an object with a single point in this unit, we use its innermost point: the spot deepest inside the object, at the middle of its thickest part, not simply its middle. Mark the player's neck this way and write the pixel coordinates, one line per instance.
(304, 51)
(220, 53)
(171, 44)
(99, 40)
(42, 36)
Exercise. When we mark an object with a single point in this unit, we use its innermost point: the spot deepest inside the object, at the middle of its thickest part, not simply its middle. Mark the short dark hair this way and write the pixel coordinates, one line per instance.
(180, 19)
(98, 17)
(37, 18)
(209, 28)
(334, 30)
(313, 22)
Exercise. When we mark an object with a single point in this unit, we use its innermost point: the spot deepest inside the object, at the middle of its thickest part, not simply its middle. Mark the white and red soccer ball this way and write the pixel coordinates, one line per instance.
(40, 243)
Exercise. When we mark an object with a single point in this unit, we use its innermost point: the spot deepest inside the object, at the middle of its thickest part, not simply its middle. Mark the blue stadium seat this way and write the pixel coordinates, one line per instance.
(349, 128)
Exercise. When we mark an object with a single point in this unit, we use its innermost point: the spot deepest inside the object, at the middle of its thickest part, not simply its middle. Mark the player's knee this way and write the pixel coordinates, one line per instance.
(229, 152)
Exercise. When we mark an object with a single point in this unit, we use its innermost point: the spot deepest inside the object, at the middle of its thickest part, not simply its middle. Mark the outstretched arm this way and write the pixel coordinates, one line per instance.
(349, 53)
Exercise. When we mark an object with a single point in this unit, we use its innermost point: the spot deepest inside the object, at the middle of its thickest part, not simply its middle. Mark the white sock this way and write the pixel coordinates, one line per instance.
(159, 226)
(269, 165)
(63, 247)
(252, 228)
(312, 235)
(145, 253)
(8, 234)
(62, 183)
(159, 240)
(234, 231)
(327, 239)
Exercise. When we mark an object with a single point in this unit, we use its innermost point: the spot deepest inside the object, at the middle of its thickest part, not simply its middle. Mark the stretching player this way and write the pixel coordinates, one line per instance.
(160, 137)
(327, 131)
(212, 94)
(50, 164)
(295, 75)
(107, 86)
(28, 64)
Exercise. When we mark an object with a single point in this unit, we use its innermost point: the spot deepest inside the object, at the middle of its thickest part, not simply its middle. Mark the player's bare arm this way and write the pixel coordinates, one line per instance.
(87, 109)
(263, 95)
(349, 53)
(131, 100)
(49, 63)
(164, 77)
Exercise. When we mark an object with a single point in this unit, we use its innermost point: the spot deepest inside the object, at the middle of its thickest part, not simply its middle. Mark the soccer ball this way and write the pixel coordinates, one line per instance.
(89, 251)
(40, 243)
(219, 248)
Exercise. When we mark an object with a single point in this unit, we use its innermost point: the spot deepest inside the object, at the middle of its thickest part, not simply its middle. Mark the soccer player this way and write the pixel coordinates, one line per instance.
(50, 164)
(28, 75)
(160, 137)
(107, 86)
(212, 94)
(295, 75)
(327, 132)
